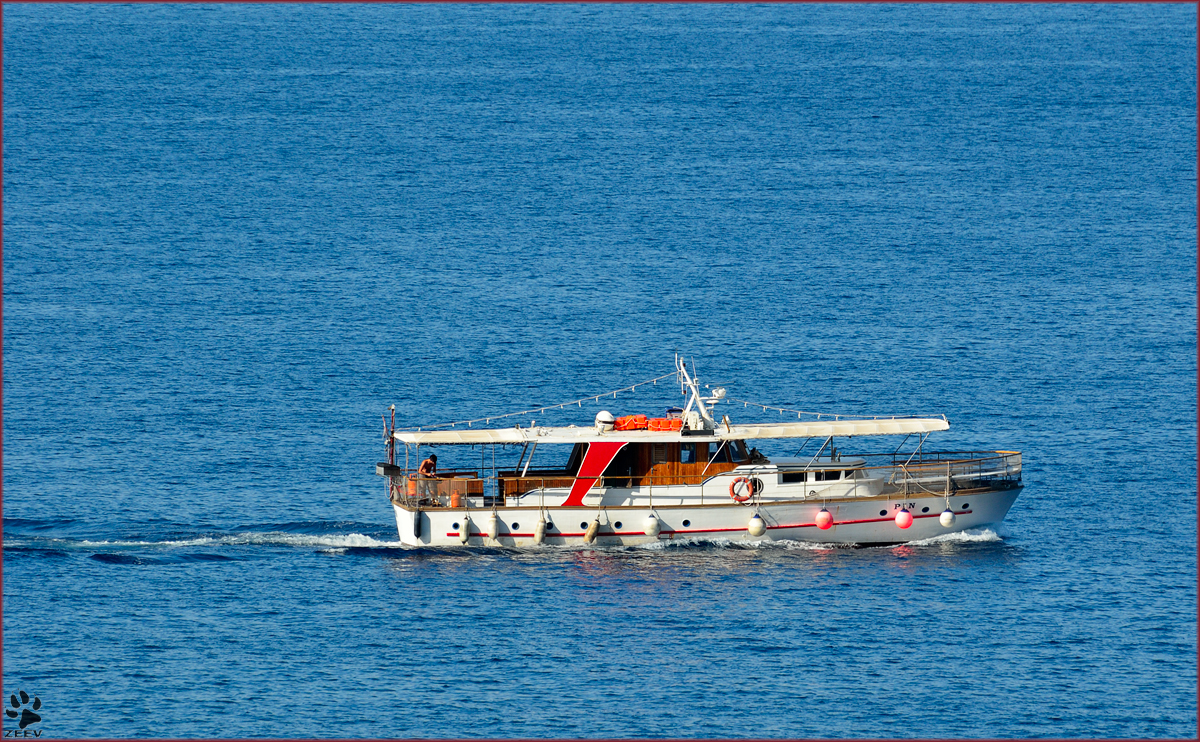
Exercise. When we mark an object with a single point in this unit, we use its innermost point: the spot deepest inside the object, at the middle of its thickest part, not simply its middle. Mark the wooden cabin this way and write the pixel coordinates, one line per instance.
(638, 465)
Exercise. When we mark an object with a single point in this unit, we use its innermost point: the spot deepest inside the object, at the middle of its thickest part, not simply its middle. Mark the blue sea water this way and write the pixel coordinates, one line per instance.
(234, 234)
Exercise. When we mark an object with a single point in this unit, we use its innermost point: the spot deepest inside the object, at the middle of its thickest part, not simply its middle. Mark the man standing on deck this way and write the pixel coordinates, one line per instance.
(427, 470)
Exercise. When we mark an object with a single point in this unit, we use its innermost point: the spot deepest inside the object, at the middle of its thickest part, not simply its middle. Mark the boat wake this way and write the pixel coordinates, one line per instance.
(969, 536)
(257, 539)
(175, 546)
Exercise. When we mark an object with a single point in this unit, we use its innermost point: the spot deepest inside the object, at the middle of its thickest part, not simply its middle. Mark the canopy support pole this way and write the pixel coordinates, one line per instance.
(818, 453)
(530, 461)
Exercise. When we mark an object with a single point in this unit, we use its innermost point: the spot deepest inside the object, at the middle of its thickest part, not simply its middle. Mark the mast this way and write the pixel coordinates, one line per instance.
(702, 404)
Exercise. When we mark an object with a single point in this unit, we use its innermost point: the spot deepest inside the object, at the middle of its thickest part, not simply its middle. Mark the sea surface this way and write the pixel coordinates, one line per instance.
(234, 235)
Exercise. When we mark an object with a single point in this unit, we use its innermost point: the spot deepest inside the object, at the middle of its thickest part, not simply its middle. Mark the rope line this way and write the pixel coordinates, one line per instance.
(557, 406)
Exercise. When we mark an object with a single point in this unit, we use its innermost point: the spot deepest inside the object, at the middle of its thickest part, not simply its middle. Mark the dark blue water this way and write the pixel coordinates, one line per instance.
(234, 234)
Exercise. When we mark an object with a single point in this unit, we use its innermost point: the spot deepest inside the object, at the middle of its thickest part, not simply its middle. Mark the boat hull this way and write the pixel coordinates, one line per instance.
(868, 520)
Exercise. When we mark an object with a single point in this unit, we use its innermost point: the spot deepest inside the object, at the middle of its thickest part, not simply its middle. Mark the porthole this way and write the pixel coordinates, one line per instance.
(583, 525)
(686, 523)
(549, 526)
(516, 526)
(617, 524)
(454, 526)
(965, 506)
(883, 512)
(923, 510)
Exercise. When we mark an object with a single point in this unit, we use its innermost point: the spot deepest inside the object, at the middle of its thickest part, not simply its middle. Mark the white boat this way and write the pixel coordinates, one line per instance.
(635, 480)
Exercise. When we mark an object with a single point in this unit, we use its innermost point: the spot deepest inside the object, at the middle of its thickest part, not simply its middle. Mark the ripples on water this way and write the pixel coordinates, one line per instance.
(234, 234)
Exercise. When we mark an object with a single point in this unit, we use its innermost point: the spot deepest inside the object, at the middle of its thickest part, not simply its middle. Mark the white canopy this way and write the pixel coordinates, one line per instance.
(840, 428)
(810, 429)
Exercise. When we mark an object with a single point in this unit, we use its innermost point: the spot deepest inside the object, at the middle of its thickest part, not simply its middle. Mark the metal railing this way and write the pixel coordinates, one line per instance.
(934, 473)
(414, 490)
(946, 472)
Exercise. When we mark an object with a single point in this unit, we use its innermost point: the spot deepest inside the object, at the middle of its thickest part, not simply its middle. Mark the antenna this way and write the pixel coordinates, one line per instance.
(692, 382)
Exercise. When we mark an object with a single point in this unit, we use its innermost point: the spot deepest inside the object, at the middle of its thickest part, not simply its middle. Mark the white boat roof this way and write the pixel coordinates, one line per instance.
(573, 434)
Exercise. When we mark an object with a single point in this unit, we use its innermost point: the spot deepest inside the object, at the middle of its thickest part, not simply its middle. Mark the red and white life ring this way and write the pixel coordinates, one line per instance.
(749, 489)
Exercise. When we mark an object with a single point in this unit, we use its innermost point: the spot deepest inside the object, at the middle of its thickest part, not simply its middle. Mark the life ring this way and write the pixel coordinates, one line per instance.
(749, 489)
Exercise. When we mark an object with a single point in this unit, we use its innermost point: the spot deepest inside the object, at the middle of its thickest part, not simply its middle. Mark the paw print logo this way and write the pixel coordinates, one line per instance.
(27, 714)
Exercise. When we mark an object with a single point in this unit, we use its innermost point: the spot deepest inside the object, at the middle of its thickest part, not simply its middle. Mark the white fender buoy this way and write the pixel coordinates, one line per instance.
(947, 518)
(651, 525)
(757, 526)
(904, 518)
(493, 526)
(539, 531)
(824, 520)
(590, 536)
(464, 533)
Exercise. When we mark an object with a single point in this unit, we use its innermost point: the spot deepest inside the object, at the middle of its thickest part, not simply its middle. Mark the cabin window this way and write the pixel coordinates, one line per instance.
(742, 453)
(576, 458)
(794, 476)
(848, 475)
(658, 453)
(722, 455)
(828, 476)
(621, 466)
(687, 453)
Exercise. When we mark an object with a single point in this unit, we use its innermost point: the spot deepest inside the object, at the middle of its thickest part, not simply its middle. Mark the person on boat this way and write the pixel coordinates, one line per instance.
(428, 470)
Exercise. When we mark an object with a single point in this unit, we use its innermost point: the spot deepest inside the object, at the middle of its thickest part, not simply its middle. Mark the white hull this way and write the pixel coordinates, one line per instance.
(861, 520)
(637, 480)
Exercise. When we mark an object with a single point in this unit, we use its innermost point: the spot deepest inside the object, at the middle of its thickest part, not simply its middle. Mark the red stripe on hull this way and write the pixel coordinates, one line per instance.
(707, 530)
(551, 535)
(865, 520)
